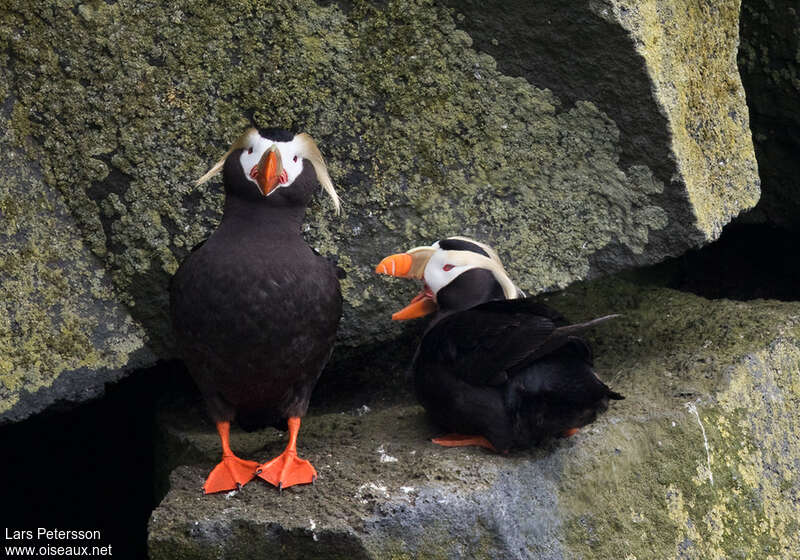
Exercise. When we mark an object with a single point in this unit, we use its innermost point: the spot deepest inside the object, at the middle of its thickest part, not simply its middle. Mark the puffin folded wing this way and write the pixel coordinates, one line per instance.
(481, 346)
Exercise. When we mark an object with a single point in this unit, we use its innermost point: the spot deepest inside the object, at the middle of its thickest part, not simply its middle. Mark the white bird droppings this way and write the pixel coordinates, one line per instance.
(385, 457)
(362, 410)
(693, 409)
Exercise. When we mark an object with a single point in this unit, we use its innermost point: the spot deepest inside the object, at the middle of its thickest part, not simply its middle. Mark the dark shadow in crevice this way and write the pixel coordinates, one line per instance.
(768, 61)
(748, 261)
(375, 375)
(89, 468)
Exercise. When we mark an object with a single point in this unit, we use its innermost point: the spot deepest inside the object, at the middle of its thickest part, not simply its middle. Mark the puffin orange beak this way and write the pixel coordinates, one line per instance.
(421, 305)
(269, 171)
(401, 265)
(395, 265)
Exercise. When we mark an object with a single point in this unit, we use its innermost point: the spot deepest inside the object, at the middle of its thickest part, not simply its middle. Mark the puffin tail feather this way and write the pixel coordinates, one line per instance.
(578, 327)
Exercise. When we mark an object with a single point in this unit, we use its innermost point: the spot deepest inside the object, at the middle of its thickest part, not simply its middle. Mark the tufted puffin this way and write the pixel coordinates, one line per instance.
(254, 309)
(493, 368)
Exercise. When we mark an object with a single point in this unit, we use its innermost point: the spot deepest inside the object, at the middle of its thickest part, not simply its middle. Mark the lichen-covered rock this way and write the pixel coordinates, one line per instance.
(122, 104)
(769, 60)
(699, 461)
(63, 333)
(665, 72)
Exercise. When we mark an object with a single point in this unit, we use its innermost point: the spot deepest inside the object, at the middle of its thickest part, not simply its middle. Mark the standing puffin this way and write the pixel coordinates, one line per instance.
(497, 370)
(254, 309)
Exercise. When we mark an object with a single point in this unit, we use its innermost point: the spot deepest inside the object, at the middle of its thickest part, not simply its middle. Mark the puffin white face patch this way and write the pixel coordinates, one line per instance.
(439, 272)
(290, 153)
(444, 266)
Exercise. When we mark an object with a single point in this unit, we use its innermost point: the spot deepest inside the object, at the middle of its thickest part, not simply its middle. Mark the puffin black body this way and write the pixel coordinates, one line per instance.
(512, 371)
(254, 309)
(508, 372)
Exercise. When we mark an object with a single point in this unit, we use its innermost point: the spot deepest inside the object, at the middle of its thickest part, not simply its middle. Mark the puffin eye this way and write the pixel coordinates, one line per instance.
(447, 267)
(250, 151)
(295, 158)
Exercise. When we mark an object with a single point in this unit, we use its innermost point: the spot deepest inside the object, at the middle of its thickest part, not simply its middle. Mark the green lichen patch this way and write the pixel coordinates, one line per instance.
(59, 311)
(690, 49)
(702, 463)
(658, 322)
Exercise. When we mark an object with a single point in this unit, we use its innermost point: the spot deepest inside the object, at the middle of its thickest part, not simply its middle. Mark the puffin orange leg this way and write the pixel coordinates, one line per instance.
(232, 472)
(458, 440)
(570, 432)
(287, 469)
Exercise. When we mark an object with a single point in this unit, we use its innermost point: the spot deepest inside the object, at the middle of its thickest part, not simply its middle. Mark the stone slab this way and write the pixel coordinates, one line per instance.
(699, 460)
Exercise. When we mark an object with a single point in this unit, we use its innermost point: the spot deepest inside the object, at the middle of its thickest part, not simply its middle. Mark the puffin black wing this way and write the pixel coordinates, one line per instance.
(489, 343)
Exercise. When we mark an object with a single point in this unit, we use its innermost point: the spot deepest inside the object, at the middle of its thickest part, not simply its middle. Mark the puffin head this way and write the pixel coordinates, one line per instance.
(459, 273)
(273, 166)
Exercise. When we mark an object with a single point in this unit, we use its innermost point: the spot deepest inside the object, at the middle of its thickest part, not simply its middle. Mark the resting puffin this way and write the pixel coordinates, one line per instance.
(254, 309)
(497, 370)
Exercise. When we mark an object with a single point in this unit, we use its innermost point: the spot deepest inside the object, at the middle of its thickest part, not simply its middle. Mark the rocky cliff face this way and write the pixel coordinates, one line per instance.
(578, 138)
(608, 134)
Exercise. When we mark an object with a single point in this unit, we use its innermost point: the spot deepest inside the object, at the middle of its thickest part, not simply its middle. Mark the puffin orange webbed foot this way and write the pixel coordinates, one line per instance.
(230, 474)
(287, 469)
(459, 440)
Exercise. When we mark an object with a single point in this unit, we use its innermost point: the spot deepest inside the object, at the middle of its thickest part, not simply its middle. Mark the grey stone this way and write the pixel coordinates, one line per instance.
(666, 75)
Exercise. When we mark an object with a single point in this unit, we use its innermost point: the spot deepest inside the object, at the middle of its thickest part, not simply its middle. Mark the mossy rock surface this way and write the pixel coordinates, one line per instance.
(63, 332)
(698, 461)
(665, 72)
(119, 106)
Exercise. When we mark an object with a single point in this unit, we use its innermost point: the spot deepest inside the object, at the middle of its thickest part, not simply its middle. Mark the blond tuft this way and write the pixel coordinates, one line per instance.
(310, 152)
(240, 143)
